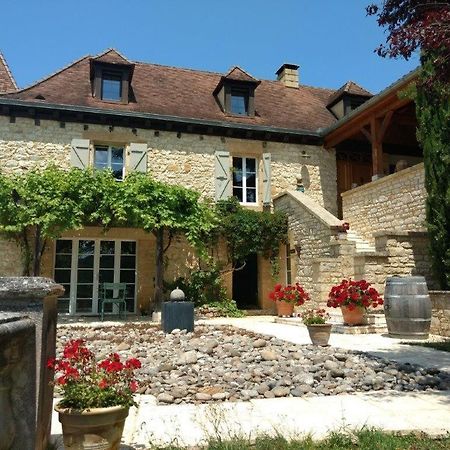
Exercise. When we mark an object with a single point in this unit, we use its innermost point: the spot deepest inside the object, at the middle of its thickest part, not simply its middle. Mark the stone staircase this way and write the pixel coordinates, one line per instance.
(361, 245)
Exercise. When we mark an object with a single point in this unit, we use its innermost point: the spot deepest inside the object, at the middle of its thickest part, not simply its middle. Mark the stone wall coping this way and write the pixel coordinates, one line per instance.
(314, 208)
(28, 287)
(397, 232)
(6, 317)
(435, 292)
(387, 179)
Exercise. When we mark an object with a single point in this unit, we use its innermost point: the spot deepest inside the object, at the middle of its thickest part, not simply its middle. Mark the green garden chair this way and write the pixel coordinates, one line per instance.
(113, 293)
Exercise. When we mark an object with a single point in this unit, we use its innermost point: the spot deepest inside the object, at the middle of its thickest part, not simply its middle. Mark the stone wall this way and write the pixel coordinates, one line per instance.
(313, 230)
(396, 201)
(440, 319)
(184, 159)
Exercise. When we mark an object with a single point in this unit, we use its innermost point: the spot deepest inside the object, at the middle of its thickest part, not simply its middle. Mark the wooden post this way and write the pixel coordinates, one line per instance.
(377, 149)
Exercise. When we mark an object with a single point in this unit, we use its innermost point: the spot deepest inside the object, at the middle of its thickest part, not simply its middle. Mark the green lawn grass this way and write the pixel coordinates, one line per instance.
(365, 439)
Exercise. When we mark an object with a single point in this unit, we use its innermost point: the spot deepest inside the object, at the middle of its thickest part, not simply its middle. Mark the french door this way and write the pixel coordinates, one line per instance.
(82, 265)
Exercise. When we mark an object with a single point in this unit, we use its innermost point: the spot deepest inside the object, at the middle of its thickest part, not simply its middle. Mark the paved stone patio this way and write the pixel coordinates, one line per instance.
(191, 424)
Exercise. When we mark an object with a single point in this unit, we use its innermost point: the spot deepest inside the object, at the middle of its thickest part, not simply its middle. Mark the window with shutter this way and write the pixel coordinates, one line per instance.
(245, 180)
(222, 175)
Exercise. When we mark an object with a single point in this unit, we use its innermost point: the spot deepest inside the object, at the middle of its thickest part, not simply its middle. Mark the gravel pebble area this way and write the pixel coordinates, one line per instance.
(217, 363)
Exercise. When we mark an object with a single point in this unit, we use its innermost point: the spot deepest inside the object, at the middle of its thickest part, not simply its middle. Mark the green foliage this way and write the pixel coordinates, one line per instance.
(226, 308)
(41, 204)
(203, 286)
(433, 115)
(142, 202)
(44, 203)
(247, 231)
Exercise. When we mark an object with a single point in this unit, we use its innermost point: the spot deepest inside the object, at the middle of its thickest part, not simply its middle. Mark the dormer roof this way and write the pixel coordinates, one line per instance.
(238, 74)
(351, 88)
(112, 56)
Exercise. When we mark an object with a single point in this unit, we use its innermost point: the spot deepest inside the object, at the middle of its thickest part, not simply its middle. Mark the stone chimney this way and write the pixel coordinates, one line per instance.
(288, 75)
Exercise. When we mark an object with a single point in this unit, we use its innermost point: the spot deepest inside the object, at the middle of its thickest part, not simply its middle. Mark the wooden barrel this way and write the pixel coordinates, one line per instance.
(407, 307)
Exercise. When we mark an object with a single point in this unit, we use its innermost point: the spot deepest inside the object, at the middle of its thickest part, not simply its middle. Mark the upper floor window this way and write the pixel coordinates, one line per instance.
(112, 82)
(109, 157)
(239, 101)
(245, 180)
(111, 86)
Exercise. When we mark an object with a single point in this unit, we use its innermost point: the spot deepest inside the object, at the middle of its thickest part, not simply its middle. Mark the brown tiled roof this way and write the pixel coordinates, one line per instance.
(349, 88)
(7, 82)
(186, 93)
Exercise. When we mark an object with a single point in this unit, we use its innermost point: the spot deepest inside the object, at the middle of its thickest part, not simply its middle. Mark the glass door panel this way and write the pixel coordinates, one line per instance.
(63, 272)
(106, 267)
(85, 277)
(128, 272)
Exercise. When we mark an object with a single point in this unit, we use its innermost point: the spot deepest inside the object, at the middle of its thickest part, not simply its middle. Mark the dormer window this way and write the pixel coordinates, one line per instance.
(111, 82)
(111, 86)
(235, 92)
(239, 101)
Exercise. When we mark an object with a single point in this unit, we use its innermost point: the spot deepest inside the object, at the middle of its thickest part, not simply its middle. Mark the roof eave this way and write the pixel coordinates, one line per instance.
(160, 117)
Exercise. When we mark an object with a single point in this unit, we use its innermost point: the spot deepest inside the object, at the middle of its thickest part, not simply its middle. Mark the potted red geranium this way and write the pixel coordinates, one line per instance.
(354, 297)
(286, 297)
(96, 396)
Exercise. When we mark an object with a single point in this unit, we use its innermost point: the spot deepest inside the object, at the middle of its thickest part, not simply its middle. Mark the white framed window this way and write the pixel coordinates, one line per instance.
(110, 157)
(245, 180)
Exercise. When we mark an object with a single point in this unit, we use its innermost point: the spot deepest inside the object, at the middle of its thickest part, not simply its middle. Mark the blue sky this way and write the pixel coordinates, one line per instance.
(331, 40)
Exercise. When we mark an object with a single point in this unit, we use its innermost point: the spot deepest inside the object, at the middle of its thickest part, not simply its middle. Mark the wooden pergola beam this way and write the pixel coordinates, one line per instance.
(362, 120)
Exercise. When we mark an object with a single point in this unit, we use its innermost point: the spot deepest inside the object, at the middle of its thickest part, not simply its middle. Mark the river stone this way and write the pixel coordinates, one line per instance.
(165, 398)
(224, 363)
(269, 355)
(259, 343)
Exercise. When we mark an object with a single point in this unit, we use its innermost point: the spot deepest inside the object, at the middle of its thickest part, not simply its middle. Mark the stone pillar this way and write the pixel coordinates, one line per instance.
(36, 298)
(17, 373)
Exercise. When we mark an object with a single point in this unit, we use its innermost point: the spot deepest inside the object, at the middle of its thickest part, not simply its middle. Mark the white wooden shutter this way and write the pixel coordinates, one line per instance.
(79, 155)
(267, 192)
(138, 157)
(223, 175)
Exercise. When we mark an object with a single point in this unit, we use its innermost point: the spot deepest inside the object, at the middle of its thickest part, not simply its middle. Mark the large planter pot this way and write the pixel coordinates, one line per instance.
(284, 309)
(96, 428)
(407, 307)
(319, 333)
(354, 316)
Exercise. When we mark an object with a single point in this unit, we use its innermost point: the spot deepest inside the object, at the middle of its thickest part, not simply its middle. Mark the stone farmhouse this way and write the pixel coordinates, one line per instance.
(326, 157)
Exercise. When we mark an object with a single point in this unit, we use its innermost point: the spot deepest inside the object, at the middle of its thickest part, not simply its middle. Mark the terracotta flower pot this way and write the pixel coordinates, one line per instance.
(319, 333)
(284, 309)
(96, 428)
(354, 316)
